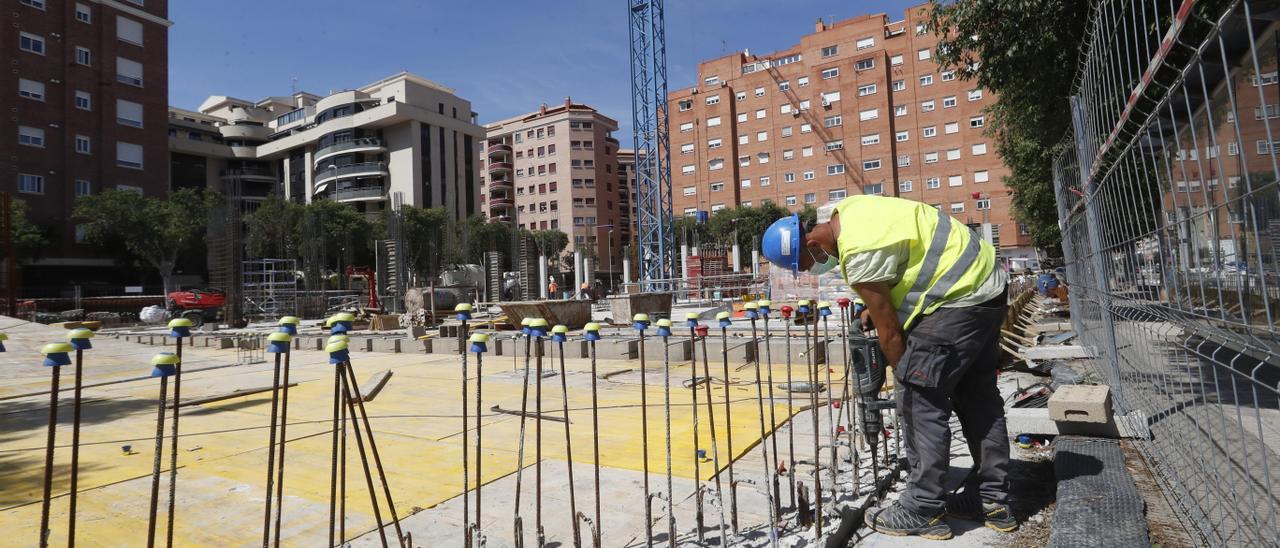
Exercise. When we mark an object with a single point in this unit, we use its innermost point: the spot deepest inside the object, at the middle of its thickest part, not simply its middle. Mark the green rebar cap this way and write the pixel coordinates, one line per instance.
(164, 358)
(640, 318)
(81, 333)
(593, 326)
(691, 316)
(288, 320)
(479, 337)
(54, 348)
(345, 317)
(180, 322)
(724, 315)
(462, 307)
(538, 322)
(664, 323)
(562, 329)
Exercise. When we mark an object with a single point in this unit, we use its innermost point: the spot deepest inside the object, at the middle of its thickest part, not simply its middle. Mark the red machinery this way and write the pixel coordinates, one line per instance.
(370, 277)
(197, 305)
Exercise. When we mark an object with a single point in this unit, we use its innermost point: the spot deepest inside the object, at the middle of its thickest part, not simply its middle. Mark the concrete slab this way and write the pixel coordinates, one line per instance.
(1065, 352)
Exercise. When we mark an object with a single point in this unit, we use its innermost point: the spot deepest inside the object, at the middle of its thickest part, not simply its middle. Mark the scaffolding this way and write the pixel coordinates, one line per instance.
(269, 288)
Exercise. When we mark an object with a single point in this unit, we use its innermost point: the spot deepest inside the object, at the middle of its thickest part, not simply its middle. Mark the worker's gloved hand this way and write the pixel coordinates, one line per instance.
(865, 315)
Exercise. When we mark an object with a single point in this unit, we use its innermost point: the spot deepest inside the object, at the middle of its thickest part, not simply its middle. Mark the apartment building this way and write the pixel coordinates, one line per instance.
(858, 106)
(558, 169)
(87, 87)
(403, 135)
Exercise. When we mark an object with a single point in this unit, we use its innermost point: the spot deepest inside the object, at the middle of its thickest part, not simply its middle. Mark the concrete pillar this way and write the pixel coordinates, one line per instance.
(626, 270)
(542, 278)
(588, 271)
(684, 261)
(737, 262)
(577, 272)
(755, 262)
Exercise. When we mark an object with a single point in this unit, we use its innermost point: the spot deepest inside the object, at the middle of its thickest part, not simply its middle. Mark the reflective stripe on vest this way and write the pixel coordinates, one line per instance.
(928, 267)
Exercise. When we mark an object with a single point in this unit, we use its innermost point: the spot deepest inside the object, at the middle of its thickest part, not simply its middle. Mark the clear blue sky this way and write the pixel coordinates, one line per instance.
(506, 57)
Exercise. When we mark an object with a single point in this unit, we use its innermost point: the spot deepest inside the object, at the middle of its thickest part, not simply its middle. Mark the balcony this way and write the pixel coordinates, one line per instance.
(367, 169)
(499, 149)
(501, 203)
(501, 218)
(362, 194)
(249, 174)
(501, 184)
(368, 144)
(499, 167)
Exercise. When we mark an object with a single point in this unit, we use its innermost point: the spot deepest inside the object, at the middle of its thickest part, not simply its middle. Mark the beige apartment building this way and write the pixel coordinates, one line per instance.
(858, 106)
(558, 169)
(402, 136)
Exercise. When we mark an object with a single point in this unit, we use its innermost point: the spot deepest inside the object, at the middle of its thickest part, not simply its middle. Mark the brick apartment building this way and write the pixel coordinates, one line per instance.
(859, 106)
(558, 168)
(87, 88)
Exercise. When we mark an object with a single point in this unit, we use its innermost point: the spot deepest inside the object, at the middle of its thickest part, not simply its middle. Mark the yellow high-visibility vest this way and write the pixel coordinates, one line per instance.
(946, 260)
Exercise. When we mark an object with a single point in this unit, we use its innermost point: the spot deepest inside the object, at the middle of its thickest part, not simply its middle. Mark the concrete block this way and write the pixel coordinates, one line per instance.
(618, 350)
(427, 345)
(225, 343)
(386, 345)
(1081, 403)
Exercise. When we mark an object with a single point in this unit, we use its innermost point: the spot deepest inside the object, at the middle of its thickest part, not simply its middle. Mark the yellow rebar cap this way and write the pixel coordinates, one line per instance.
(462, 307)
(765, 302)
(640, 318)
(165, 358)
(345, 317)
(664, 323)
(335, 346)
(803, 302)
(479, 337)
(338, 338)
(538, 322)
(180, 322)
(691, 316)
(724, 315)
(288, 320)
(54, 348)
(81, 333)
(593, 326)
(279, 336)
(751, 305)
(562, 329)
(824, 304)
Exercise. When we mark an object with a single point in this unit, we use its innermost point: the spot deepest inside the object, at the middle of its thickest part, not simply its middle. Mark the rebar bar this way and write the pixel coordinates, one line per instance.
(173, 445)
(518, 531)
(537, 460)
(364, 460)
(812, 362)
(773, 420)
(284, 424)
(479, 437)
(466, 472)
(791, 412)
(568, 448)
(74, 492)
(711, 422)
(155, 466)
(728, 426)
(595, 444)
(774, 511)
(48, 456)
(363, 417)
(644, 443)
(698, 451)
(333, 455)
(271, 453)
(666, 404)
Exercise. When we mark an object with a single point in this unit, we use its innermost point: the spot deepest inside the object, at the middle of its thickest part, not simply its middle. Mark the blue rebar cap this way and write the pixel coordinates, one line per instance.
(538, 327)
(289, 324)
(338, 352)
(803, 306)
(591, 331)
(725, 318)
(824, 308)
(752, 309)
(180, 327)
(524, 325)
(56, 354)
(691, 319)
(560, 333)
(462, 311)
(79, 338)
(479, 343)
(3, 337)
(165, 364)
(640, 322)
(765, 306)
(278, 342)
(664, 328)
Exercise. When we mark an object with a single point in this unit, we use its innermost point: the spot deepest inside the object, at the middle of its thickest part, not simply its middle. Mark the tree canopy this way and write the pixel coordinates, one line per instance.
(1027, 52)
(154, 230)
(28, 239)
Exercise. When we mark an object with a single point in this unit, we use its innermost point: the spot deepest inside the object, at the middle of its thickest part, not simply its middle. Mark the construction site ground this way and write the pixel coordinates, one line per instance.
(418, 426)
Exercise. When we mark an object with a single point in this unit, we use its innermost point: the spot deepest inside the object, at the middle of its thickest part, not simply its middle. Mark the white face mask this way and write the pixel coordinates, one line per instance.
(820, 268)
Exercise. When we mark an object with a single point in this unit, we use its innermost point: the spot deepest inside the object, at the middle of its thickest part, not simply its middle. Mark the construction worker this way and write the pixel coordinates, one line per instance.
(553, 289)
(937, 299)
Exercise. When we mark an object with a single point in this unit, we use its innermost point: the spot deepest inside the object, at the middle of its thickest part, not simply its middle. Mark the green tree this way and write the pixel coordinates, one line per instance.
(551, 243)
(1031, 67)
(28, 238)
(154, 230)
(274, 230)
(424, 232)
(345, 234)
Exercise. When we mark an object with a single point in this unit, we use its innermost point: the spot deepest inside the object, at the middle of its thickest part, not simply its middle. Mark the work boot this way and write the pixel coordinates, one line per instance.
(995, 515)
(898, 521)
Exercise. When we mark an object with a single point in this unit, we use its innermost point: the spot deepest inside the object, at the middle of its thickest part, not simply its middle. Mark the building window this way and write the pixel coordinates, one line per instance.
(921, 29)
(868, 140)
(948, 75)
(30, 184)
(31, 89)
(710, 81)
(929, 131)
(761, 113)
(865, 64)
(129, 155)
(788, 177)
(744, 139)
(84, 56)
(785, 108)
(791, 200)
(955, 180)
(762, 136)
(830, 51)
(953, 154)
(810, 197)
(803, 81)
(807, 175)
(977, 122)
(83, 14)
(745, 183)
(31, 43)
(836, 194)
(716, 164)
(713, 121)
(713, 100)
(37, 4)
(904, 186)
(83, 145)
(927, 106)
(690, 190)
(806, 152)
(685, 105)
(805, 128)
(717, 187)
(744, 161)
(926, 80)
(684, 128)
(931, 157)
(804, 105)
(904, 160)
(899, 85)
(951, 127)
(981, 176)
(714, 143)
(896, 60)
(830, 73)
(759, 92)
(83, 187)
(128, 113)
(764, 181)
(687, 170)
(864, 43)
(873, 188)
(933, 183)
(900, 110)
(868, 89)
(128, 72)
(924, 54)
(948, 102)
(975, 94)
(784, 86)
(957, 207)
(832, 121)
(128, 30)
(742, 117)
(902, 136)
(835, 169)
(686, 148)
(868, 114)
(30, 136)
(981, 148)
(837, 144)
(870, 165)
(786, 131)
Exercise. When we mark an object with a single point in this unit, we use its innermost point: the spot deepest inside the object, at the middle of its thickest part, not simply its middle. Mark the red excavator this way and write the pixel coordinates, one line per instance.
(197, 305)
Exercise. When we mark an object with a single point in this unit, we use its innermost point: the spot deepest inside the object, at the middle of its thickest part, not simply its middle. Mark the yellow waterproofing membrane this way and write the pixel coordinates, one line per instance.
(222, 452)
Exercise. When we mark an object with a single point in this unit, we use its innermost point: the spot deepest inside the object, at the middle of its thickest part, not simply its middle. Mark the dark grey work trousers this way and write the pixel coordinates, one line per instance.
(950, 365)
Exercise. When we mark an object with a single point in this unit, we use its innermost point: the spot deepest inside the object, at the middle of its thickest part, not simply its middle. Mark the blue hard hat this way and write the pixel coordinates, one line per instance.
(781, 242)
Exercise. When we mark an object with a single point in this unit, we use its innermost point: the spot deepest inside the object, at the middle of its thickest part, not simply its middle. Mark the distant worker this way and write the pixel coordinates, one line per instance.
(584, 292)
(936, 299)
(553, 289)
